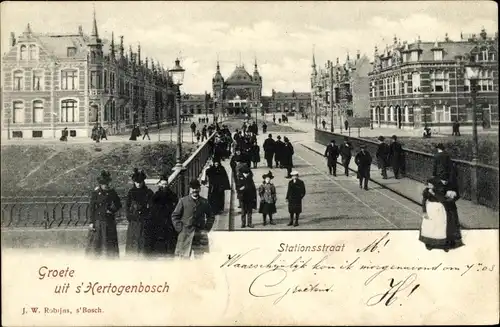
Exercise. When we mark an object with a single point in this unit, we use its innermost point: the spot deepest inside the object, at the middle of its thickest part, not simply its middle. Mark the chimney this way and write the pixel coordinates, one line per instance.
(358, 55)
(12, 39)
(80, 30)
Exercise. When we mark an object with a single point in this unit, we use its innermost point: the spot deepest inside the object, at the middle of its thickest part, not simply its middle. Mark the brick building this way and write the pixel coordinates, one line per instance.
(341, 89)
(76, 81)
(419, 84)
(239, 93)
(196, 104)
(290, 102)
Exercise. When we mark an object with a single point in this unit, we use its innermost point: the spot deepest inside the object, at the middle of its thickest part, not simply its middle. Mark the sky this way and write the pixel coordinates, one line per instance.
(281, 36)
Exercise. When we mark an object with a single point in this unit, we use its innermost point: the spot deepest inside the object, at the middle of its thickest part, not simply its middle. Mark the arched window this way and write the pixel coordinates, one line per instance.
(38, 111)
(18, 80)
(18, 108)
(32, 52)
(37, 80)
(69, 111)
(23, 55)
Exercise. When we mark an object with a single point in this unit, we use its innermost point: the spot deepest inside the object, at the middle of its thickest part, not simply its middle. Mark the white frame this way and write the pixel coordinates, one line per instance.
(23, 81)
(42, 79)
(13, 114)
(76, 114)
(77, 83)
(33, 111)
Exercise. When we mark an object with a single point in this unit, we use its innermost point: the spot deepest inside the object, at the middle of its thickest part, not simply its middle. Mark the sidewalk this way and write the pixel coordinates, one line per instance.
(412, 190)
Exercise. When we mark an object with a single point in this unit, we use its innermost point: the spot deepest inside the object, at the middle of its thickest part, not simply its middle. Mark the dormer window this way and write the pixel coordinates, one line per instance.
(23, 52)
(438, 55)
(414, 56)
(71, 51)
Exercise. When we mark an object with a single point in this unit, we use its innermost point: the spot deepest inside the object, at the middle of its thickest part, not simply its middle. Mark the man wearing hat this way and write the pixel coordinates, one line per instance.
(287, 156)
(278, 152)
(364, 161)
(218, 183)
(192, 219)
(396, 156)
(247, 195)
(442, 164)
(382, 156)
(269, 147)
(267, 193)
(104, 204)
(140, 231)
(332, 153)
(346, 154)
(163, 204)
(294, 195)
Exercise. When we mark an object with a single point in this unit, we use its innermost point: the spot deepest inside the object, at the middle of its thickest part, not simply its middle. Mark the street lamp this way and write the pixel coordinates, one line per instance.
(472, 74)
(177, 75)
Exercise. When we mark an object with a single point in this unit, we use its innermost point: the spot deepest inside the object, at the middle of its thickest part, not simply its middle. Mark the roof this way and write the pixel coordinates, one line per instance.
(239, 76)
(193, 97)
(58, 45)
(286, 95)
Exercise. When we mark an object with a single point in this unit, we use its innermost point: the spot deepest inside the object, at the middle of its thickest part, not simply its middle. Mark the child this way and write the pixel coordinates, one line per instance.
(267, 193)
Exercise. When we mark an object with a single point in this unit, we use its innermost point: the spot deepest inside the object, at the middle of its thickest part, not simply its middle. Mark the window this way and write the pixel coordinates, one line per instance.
(466, 85)
(396, 85)
(18, 117)
(415, 81)
(71, 51)
(69, 111)
(442, 114)
(385, 113)
(484, 55)
(33, 53)
(491, 56)
(18, 80)
(105, 82)
(23, 54)
(438, 55)
(391, 113)
(407, 114)
(372, 89)
(69, 79)
(17, 134)
(95, 80)
(414, 56)
(405, 57)
(37, 111)
(37, 134)
(440, 81)
(485, 82)
(37, 80)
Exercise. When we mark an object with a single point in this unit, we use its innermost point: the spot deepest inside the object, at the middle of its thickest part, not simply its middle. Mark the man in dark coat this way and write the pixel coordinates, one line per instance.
(163, 204)
(269, 147)
(346, 154)
(264, 128)
(218, 183)
(294, 195)
(456, 128)
(104, 204)
(442, 164)
(396, 156)
(247, 194)
(278, 152)
(364, 161)
(346, 124)
(287, 157)
(331, 154)
(323, 122)
(204, 133)
(383, 156)
(193, 127)
(140, 231)
(192, 219)
(146, 132)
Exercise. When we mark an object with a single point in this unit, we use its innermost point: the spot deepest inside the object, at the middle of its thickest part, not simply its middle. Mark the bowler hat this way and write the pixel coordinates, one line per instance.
(104, 177)
(194, 184)
(440, 146)
(269, 174)
(278, 137)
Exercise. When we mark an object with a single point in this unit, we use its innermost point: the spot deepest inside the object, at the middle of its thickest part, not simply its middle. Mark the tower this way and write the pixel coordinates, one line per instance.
(218, 83)
(95, 72)
(257, 80)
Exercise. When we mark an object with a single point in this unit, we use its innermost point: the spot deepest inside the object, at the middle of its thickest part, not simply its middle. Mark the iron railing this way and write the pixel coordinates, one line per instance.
(52, 211)
(418, 166)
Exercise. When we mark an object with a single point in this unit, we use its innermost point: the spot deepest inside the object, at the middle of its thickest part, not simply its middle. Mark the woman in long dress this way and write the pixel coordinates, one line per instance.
(440, 227)
(218, 183)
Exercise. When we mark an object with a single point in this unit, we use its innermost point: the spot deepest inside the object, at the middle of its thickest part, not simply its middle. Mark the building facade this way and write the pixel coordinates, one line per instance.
(239, 93)
(197, 104)
(422, 84)
(285, 102)
(340, 91)
(77, 81)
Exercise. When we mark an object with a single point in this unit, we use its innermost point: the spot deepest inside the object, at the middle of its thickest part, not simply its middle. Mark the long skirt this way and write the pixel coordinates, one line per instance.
(103, 239)
(267, 208)
(441, 229)
(216, 201)
(135, 237)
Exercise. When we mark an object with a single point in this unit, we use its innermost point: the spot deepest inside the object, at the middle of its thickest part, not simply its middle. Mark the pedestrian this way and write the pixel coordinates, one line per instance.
(287, 157)
(382, 155)
(442, 164)
(294, 195)
(264, 128)
(267, 194)
(323, 122)
(255, 154)
(192, 219)
(198, 136)
(456, 128)
(440, 228)
(193, 127)
(218, 183)
(64, 135)
(269, 147)
(247, 194)
(364, 161)
(396, 155)
(332, 153)
(140, 231)
(163, 204)
(346, 124)
(279, 120)
(146, 132)
(104, 204)
(204, 133)
(278, 152)
(274, 119)
(346, 154)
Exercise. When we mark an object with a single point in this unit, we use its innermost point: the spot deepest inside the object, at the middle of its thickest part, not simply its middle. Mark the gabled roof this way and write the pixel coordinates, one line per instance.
(58, 45)
(239, 76)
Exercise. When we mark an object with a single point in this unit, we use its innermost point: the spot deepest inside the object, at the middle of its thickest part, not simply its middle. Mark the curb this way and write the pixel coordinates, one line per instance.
(417, 202)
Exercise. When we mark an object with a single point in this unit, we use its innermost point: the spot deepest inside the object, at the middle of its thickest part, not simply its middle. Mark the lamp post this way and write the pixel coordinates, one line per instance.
(177, 74)
(472, 73)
